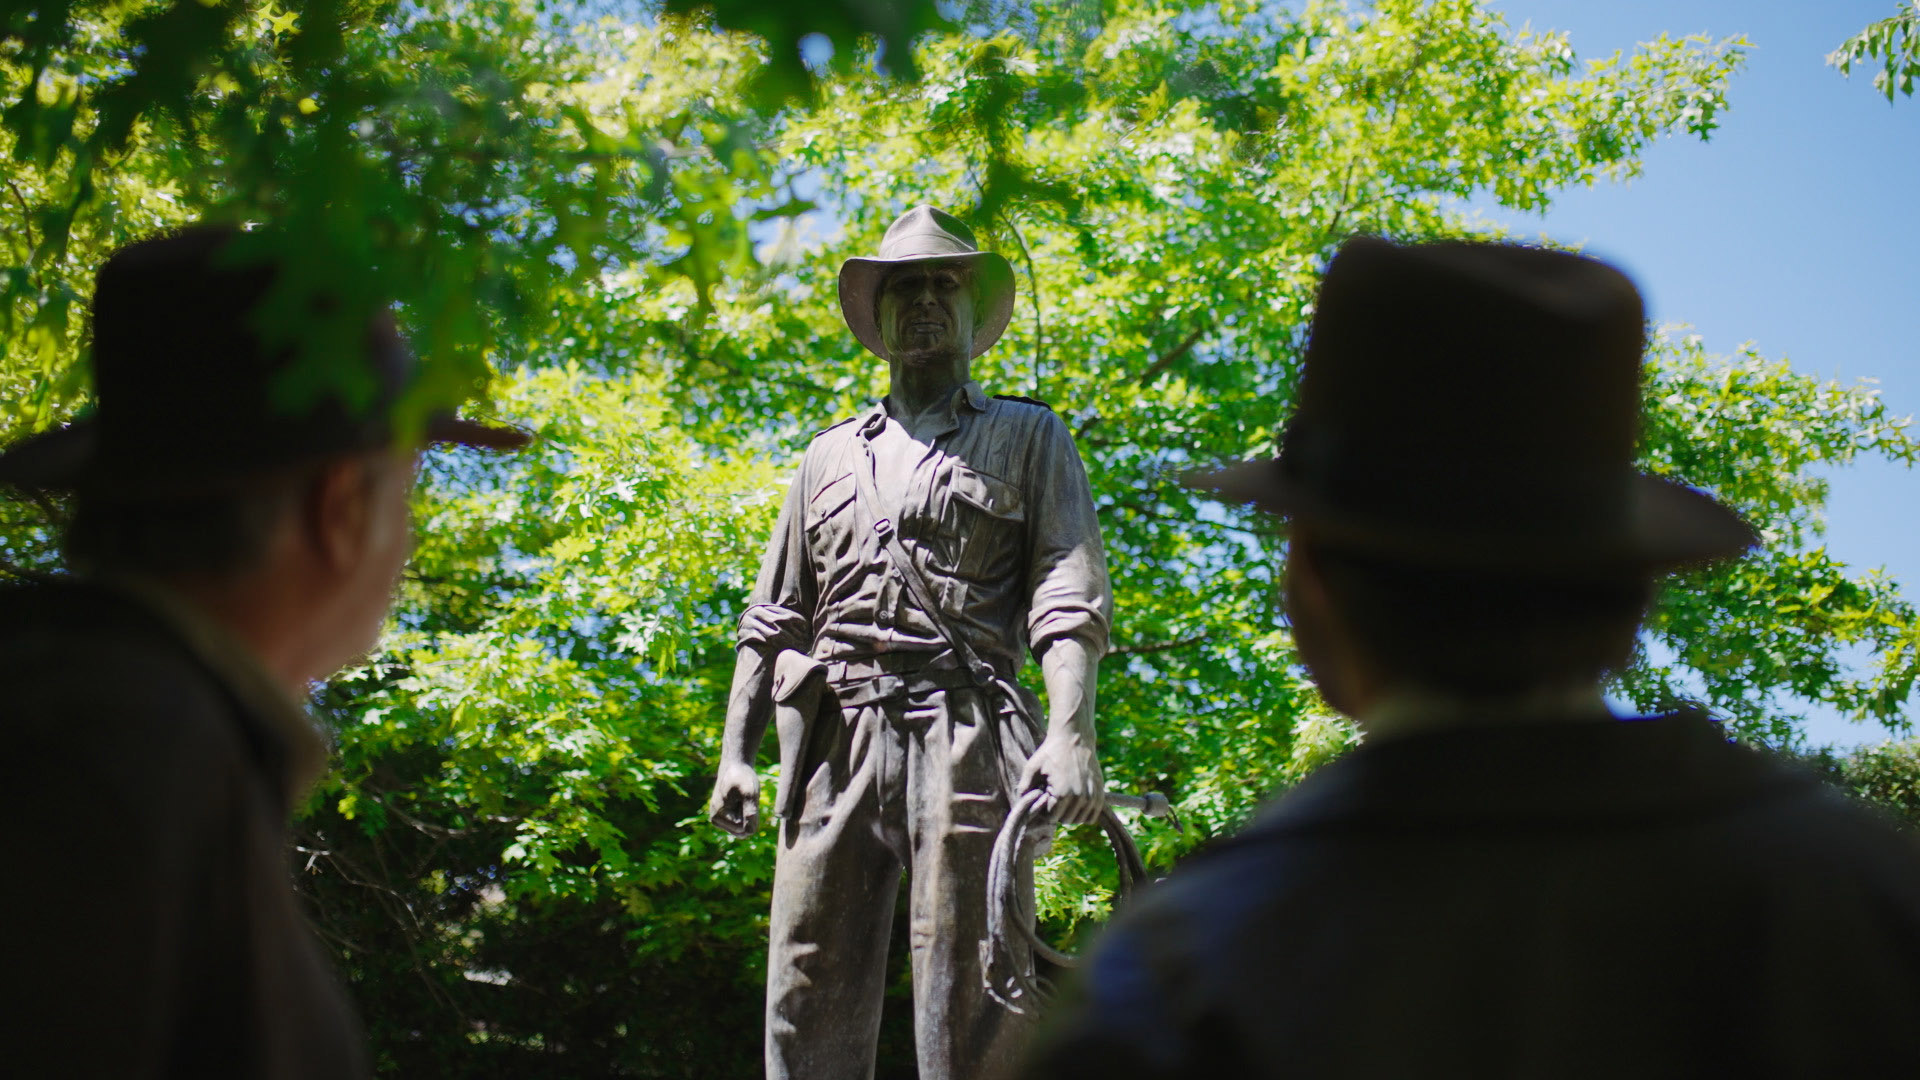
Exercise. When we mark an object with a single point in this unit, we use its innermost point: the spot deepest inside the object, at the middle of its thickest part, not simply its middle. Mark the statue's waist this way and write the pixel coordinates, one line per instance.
(865, 680)
(849, 670)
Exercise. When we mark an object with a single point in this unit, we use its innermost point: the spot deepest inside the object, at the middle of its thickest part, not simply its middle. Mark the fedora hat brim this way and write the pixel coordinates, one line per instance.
(50, 460)
(1667, 526)
(860, 294)
(69, 457)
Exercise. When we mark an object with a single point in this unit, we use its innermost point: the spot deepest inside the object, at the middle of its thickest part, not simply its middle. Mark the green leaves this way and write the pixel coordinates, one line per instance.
(841, 26)
(475, 178)
(1895, 42)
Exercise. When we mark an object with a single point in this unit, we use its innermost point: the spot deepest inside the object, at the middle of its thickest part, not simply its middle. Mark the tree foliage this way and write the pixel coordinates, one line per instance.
(1895, 42)
(454, 158)
(631, 227)
(1886, 776)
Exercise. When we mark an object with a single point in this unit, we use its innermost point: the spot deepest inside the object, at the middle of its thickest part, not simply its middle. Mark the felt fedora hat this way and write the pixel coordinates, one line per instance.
(188, 396)
(925, 234)
(1477, 405)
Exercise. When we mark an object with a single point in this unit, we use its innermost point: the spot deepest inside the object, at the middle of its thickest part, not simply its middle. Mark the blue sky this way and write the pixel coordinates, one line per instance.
(1797, 227)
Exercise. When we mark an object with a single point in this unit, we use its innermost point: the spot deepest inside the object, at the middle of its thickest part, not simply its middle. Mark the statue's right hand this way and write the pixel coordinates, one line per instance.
(735, 805)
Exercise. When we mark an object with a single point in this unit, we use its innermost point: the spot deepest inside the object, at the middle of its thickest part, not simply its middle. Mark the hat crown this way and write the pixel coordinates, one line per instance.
(187, 382)
(921, 234)
(1477, 405)
(927, 230)
(1472, 389)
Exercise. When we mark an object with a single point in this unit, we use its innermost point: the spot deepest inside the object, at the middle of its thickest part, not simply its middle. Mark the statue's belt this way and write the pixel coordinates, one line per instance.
(868, 680)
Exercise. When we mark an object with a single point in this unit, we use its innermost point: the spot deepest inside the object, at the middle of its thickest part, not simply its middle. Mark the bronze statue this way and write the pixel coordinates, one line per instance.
(923, 547)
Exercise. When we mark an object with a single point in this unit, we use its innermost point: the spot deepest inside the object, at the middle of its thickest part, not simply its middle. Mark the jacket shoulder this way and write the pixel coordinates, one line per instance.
(1029, 415)
(80, 650)
(831, 435)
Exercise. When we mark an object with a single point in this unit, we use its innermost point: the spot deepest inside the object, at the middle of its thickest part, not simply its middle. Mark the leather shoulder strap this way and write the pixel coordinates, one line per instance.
(866, 501)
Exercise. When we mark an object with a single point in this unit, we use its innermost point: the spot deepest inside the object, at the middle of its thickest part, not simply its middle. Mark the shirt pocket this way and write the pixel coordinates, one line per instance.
(829, 521)
(987, 516)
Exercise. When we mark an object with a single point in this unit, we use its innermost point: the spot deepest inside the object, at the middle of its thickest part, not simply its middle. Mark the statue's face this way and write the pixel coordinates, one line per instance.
(926, 313)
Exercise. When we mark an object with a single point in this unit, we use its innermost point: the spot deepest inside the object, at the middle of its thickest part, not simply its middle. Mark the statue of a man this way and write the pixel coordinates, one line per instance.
(924, 546)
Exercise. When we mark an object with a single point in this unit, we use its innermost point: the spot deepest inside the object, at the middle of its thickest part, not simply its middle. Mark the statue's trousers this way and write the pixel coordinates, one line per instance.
(914, 784)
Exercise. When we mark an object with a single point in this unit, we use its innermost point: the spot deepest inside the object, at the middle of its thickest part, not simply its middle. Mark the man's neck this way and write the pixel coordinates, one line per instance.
(914, 390)
(253, 620)
(1410, 712)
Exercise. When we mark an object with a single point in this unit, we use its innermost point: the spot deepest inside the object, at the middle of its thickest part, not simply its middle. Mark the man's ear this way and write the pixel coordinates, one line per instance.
(337, 512)
(1301, 582)
(1320, 636)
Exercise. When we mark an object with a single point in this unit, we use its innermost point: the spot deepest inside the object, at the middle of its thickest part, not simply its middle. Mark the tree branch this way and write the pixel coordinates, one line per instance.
(1039, 324)
(1157, 646)
(1144, 511)
(29, 575)
(1172, 356)
(1346, 189)
(26, 216)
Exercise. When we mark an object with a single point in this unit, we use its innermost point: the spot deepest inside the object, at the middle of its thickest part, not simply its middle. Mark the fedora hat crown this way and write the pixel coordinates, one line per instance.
(927, 234)
(924, 231)
(190, 388)
(1478, 403)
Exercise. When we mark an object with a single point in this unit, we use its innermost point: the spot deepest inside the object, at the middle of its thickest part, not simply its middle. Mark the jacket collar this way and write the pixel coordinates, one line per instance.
(1590, 771)
(298, 752)
(968, 396)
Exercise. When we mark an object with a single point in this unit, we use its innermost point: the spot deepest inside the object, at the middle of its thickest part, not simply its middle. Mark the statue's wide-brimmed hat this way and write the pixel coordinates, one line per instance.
(189, 398)
(1476, 405)
(925, 234)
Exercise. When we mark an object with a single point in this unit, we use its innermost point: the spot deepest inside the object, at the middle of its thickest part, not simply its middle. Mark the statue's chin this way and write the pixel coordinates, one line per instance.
(934, 356)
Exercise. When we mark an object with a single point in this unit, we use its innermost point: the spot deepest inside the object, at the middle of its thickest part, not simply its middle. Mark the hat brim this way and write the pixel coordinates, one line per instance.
(860, 295)
(453, 429)
(67, 457)
(52, 459)
(1669, 526)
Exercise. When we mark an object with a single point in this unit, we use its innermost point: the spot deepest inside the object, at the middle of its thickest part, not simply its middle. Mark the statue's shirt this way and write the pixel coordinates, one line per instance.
(991, 502)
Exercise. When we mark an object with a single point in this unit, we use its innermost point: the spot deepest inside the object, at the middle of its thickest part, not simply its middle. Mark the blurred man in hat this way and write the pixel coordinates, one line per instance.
(1503, 880)
(229, 552)
(925, 545)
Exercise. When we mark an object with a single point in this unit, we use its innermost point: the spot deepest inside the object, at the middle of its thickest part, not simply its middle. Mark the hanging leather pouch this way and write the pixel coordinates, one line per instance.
(799, 684)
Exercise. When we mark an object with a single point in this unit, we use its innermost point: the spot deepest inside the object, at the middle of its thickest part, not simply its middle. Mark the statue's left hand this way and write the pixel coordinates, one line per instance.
(1066, 768)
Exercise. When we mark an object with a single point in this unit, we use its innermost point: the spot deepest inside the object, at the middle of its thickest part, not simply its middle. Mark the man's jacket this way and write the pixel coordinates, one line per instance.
(152, 929)
(1604, 899)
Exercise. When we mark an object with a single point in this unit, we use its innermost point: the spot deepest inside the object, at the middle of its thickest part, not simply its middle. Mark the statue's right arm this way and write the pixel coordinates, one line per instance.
(778, 617)
(735, 806)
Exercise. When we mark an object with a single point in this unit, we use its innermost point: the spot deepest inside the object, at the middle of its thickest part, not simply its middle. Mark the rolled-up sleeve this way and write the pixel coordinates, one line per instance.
(779, 611)
(1067, 567)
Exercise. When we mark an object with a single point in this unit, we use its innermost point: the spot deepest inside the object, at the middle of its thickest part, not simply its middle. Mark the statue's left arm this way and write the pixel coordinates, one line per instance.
(1067, 623)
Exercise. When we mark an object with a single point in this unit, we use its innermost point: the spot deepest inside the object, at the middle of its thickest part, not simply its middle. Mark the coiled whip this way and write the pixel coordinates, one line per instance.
(1010, 917)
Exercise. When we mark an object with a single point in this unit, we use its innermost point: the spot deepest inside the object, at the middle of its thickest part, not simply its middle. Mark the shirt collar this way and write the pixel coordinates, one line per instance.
(265, 701)
(968, 394)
